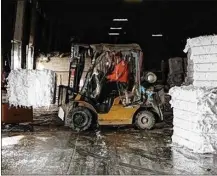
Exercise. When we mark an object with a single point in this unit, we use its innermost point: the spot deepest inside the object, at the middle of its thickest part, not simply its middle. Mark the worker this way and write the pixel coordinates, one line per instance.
(118, 79)
(120, 72)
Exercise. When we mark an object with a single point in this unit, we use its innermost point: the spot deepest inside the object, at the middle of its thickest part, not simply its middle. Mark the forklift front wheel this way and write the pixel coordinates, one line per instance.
(81, 118)
(145, 120)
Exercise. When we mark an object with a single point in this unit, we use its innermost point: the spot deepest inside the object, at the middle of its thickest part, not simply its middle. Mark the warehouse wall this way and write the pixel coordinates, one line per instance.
(59, 65)
(61, 68)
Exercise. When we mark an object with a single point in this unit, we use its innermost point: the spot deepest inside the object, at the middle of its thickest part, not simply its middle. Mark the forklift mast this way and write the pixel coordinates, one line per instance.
(76, 67)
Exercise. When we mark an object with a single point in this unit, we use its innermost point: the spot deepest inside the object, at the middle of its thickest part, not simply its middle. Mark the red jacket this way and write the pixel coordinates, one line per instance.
(120, 73)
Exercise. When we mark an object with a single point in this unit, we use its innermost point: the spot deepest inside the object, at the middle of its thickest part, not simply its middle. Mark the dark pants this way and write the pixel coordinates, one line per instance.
(109, 87)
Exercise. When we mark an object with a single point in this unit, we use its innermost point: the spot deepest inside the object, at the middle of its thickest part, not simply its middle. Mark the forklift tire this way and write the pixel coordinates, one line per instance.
(145, 120)
(81, 118)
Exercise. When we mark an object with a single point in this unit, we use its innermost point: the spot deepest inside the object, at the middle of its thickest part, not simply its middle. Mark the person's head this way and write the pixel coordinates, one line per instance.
(118, 57)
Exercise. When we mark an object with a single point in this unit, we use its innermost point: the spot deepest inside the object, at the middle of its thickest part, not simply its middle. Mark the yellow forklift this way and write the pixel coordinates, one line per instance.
(138, 104)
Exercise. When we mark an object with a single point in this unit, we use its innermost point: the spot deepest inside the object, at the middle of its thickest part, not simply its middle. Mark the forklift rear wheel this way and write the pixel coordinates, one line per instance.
(145, 120)
(81, 118)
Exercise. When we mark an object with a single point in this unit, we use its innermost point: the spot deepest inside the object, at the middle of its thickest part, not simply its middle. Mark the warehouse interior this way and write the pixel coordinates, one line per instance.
(51, 49)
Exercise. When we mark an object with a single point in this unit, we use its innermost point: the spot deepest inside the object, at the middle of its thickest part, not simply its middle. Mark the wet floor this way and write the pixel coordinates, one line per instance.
(55, 150)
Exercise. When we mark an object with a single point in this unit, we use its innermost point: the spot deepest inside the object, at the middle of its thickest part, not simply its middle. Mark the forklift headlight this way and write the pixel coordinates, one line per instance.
(150, 77)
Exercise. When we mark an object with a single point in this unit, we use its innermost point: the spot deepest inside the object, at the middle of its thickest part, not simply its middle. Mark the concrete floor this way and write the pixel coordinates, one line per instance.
(53, 150)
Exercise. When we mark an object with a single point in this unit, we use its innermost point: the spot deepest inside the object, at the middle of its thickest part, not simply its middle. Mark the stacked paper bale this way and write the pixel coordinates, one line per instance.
(195, 105)
(202, 61)
(195, 118)
(31, 88)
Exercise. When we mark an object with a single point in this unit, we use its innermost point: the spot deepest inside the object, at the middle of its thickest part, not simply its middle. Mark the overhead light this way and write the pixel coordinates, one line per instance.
(133, 1)
(157, 35)
(120, 19)
(113, 28)
(113, 34)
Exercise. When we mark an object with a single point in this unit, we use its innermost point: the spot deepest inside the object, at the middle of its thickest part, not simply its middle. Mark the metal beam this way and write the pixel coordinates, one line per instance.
(31, 44)
(19, 23)
(16, 52)
(33, 25)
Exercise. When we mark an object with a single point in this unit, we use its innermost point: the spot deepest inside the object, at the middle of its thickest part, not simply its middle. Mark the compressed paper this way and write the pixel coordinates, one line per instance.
(195, 105)
(206, 144)
(206, 58)
(197, 99)
(204, 67)
(202, 61)
(31, 88)
(201, 41)
(212, 76)
(195, 118)
(199, 83)
(203, 50)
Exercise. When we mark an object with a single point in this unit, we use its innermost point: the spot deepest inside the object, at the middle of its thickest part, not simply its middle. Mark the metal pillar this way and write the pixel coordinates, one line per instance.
(30, 46)
(2, 61)
(16, 52)
(30, 57)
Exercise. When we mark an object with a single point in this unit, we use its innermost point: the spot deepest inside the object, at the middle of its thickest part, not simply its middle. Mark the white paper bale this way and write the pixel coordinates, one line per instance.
(201, 41)
(206, 146)
(194, 99)
(31, 88)
(187, 105)
(205, 67)
(195, 131)
(202, 126)
(198, 83)
(206, 58)
(187, 93)
(195, 117)
(203, 50)
(193, 135)
(212, 76)
(202, 57)
(195, 106)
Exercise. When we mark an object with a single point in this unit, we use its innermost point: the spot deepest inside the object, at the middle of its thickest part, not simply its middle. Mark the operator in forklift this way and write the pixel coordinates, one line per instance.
(118, 79)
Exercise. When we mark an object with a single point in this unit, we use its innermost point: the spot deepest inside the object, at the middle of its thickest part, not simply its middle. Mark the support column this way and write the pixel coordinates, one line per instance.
(2, 61)
(16, 52)
(31, 45)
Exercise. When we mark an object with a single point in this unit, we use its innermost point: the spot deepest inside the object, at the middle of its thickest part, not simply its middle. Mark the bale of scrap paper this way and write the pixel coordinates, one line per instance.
(31, 88)
(202, 61)
(195, 118)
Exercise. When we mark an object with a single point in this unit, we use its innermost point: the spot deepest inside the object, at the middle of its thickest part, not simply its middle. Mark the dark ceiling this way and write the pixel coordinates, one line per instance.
(92, 18)
(90, 22)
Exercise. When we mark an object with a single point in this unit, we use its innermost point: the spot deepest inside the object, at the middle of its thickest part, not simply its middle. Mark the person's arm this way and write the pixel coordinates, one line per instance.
(112, 76)
(121, 70)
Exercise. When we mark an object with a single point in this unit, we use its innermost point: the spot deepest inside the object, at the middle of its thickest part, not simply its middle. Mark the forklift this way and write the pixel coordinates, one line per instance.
(140, 103)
